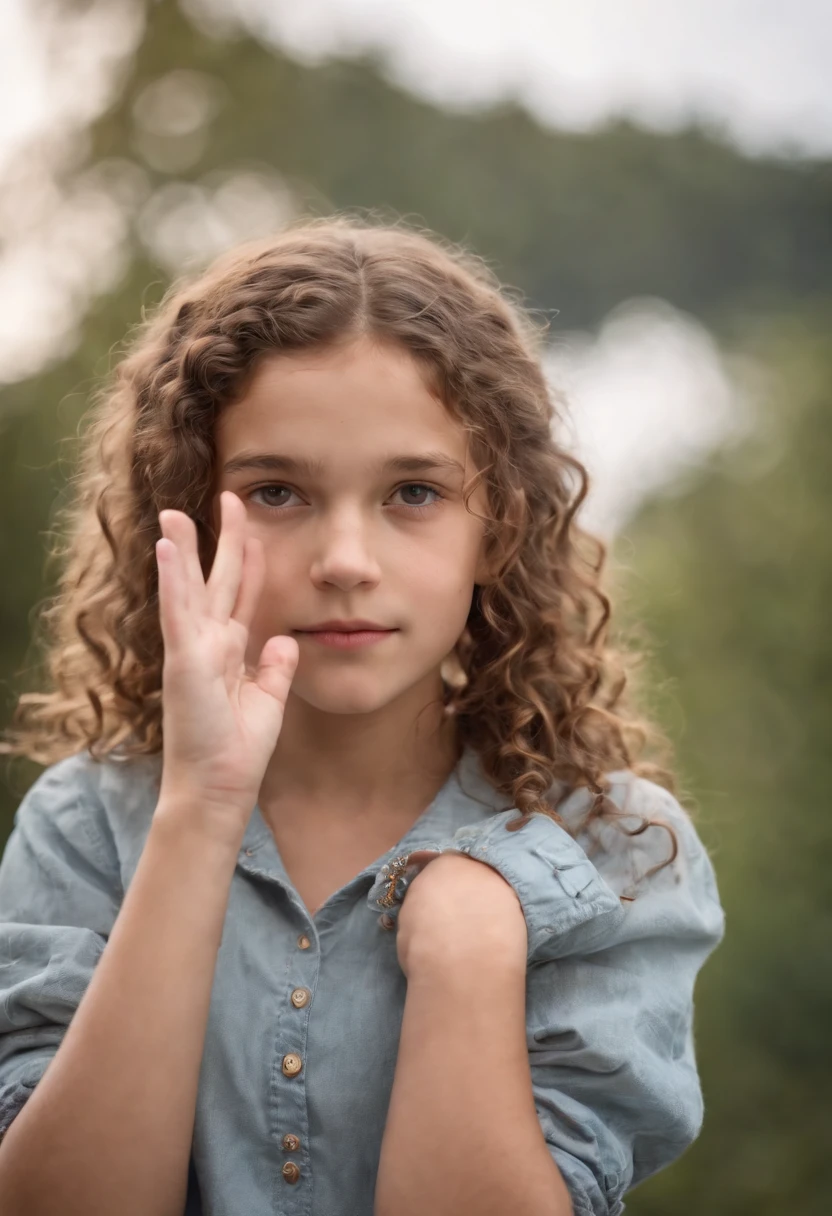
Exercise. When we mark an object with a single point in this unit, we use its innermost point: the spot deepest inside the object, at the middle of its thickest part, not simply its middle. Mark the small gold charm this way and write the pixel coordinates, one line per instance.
(395, 870)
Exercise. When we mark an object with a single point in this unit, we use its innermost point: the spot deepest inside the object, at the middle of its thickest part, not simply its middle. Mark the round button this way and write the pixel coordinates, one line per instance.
(300, 997)
(292, 1064)
(291, 1143)
(303, 942)
(387, 921)
(290, 1171)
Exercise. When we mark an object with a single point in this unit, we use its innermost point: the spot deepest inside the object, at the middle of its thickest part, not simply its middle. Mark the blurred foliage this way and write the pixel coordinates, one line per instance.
(731, 577)
(733, 580)
(577, 222)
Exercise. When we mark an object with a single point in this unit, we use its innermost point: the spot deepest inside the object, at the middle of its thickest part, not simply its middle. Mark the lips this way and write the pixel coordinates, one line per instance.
(356, 626)
(351, 636)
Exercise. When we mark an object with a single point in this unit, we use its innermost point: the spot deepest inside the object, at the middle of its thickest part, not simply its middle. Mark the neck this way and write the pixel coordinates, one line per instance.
(363, 764)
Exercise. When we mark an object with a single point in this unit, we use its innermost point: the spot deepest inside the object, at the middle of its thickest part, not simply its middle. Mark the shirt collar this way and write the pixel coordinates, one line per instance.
(465, 798)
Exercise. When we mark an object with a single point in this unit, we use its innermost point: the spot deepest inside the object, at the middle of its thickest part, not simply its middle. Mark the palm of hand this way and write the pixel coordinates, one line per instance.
(221, 721)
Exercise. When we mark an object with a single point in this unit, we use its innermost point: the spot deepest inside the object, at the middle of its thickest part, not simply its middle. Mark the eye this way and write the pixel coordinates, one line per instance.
(274, 496)
(418, 488)
(272, 490)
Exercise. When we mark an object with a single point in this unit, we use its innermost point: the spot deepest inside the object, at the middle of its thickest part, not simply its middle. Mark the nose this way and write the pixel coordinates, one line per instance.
(344, 556)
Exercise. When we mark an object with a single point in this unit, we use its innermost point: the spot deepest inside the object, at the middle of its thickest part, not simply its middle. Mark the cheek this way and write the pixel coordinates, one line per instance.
(276, 600)
(453, 566)
(440, 587)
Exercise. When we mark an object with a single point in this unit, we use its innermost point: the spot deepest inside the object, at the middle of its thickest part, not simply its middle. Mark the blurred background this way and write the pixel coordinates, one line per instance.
(656, 179)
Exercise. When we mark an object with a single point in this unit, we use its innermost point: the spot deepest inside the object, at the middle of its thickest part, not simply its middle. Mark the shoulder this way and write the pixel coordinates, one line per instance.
(91, 804)
(648, 839)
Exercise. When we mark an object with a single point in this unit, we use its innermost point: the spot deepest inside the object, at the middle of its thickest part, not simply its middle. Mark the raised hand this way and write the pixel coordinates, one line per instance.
(221, 720)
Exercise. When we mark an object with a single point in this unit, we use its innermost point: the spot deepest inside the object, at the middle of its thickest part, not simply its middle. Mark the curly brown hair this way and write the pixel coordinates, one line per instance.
(536, 689)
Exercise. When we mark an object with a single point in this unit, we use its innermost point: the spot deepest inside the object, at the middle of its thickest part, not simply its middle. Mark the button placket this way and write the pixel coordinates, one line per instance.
(292, 1037)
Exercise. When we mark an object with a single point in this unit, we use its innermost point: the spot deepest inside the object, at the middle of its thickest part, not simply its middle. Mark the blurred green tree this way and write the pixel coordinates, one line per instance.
(733, 581)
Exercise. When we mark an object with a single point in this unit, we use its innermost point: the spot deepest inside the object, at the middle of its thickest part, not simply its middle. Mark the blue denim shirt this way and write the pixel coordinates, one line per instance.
(305, 1012)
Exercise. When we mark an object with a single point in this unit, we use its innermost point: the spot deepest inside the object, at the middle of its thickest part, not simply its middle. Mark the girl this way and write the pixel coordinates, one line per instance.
(344, 891)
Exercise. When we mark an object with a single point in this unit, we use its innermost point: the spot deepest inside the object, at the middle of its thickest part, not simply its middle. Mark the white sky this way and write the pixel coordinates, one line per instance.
(759, 66)
(649, 397)
(650, 392)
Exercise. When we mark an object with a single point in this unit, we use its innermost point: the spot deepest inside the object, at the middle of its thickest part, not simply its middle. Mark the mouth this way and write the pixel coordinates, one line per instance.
(339, 625)
(346, 638)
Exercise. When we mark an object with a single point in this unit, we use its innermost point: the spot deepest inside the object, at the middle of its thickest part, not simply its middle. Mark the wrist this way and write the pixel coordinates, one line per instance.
(188, 817)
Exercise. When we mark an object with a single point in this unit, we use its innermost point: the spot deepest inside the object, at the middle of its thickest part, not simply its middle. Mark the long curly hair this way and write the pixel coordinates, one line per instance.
(534, 685)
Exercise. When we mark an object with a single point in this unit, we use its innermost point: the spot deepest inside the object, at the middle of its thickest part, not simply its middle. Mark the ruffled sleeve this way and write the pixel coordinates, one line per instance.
(614, 951)
(60, 892)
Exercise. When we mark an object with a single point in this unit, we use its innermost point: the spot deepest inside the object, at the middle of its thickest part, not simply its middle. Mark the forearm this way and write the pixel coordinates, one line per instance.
(462, 1134)
(109, 1126)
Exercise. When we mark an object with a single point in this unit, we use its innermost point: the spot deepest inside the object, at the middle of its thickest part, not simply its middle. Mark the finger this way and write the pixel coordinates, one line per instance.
(226, 572)
(172, 608)
(251, 585)
(277, 666)
(171, 549)
(181, 529)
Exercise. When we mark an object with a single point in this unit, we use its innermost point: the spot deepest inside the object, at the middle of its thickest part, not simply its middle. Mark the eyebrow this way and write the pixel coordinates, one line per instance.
(271, 462)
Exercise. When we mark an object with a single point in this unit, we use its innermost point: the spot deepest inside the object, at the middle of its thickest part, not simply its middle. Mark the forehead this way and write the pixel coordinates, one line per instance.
(366, 396)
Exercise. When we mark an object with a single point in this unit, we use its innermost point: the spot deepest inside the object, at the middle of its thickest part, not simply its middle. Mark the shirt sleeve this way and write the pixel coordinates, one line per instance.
(614, 951)
(60, 892)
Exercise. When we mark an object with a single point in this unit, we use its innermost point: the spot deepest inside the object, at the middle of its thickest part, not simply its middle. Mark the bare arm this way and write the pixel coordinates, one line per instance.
(462, 1135)
(109, 1126)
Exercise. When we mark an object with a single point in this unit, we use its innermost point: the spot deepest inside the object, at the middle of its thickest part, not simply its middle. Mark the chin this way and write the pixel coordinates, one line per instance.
(346, 697)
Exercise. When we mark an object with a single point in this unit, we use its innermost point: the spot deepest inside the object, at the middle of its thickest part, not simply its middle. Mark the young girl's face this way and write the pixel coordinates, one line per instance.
(351, 473)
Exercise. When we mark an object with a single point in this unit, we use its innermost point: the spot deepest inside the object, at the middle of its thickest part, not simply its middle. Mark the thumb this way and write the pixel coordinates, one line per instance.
(276, 668)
